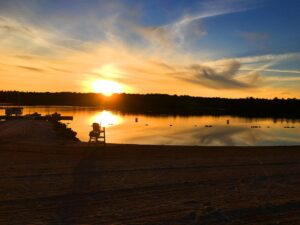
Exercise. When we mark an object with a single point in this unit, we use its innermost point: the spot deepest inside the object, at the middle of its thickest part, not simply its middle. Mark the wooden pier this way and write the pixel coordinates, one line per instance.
(12, 113)
(30, 117)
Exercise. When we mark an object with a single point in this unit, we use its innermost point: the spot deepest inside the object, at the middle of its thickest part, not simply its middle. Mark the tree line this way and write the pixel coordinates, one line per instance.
(160, 103)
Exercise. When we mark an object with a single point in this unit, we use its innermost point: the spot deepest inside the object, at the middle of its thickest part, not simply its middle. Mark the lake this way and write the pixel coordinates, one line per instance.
(179, 130)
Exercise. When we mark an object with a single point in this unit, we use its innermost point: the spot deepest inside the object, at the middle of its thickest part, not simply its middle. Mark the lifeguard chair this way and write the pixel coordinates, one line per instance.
(97, 135)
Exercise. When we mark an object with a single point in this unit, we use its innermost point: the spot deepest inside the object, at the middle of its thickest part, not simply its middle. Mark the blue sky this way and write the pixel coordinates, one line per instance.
(225, 48)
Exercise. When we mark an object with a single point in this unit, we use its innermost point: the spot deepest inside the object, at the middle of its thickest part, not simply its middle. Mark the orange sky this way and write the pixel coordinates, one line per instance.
(41, 56)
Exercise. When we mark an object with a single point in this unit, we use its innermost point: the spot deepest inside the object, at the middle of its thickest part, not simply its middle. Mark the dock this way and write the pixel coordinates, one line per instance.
(46, 117)
(12, 113)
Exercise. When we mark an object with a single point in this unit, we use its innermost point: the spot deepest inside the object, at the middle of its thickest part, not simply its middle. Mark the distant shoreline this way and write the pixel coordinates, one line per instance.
(157, 104)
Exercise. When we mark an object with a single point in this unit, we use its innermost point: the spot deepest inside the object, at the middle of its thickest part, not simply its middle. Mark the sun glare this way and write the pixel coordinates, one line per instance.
(106, 118)
(107, 87)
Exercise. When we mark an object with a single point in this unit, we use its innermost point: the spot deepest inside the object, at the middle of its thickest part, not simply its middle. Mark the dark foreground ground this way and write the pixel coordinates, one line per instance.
(127, 184)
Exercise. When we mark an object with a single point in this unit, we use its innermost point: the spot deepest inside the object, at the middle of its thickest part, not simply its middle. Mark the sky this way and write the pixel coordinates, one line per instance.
(210, 48)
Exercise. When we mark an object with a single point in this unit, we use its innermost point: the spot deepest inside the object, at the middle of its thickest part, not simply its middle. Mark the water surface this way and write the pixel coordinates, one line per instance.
(179, 130)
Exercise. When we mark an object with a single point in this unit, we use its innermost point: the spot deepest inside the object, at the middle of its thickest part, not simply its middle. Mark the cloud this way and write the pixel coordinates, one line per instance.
(12, 27)
(275, 70)
(256, 65)
(188, 27)
(25, 57)
(269, 58)
(223, 74)
(162, 64)
(31, 68)
(254, 36)
(155, 35)
(61, 70)
(139, 66)
(24, 38)
(93, 45)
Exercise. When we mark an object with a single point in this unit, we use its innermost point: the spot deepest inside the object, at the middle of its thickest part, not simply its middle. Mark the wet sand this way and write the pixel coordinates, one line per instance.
(132, 184)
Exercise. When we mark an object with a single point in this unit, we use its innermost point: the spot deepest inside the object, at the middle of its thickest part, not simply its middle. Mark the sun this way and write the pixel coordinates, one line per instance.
(107, 87)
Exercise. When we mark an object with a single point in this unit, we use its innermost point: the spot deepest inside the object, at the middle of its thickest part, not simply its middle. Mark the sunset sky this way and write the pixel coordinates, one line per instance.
(224, 48)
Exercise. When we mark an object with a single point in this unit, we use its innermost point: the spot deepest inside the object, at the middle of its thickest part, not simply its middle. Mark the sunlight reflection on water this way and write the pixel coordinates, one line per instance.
(179, 130)
(105, 118)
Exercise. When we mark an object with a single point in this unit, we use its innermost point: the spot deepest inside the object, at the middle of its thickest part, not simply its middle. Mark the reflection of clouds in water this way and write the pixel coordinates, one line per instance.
(210, 136)
(233, 135)
(148, 135)
(217, 135)
(192, 136)
(221, 135)
(240, 135)
(281, 136)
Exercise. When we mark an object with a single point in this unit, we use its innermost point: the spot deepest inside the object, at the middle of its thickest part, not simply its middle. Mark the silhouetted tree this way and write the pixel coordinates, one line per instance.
(161, 103)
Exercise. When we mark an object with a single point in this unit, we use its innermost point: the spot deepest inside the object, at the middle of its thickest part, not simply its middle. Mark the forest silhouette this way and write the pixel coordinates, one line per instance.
(157, 104)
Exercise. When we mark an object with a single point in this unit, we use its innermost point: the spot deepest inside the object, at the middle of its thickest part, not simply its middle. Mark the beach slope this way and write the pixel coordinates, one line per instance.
(132, 184)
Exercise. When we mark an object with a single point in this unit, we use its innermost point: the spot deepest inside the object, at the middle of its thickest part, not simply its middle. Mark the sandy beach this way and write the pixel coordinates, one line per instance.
(69, 183)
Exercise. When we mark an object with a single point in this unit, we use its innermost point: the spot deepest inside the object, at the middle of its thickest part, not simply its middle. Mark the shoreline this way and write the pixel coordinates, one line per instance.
(30, 131)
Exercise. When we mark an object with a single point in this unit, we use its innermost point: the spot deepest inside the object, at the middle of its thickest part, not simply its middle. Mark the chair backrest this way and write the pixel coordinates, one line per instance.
(96, 127)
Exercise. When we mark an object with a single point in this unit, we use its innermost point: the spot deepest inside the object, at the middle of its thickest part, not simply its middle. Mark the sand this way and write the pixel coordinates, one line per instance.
(136, 184)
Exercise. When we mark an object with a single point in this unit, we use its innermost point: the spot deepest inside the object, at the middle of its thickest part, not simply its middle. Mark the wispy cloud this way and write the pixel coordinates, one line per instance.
(269, 58)
(31, 68)
(188, 27)
(109, 45)
(254, 36)
(222, 75)
(274, 70)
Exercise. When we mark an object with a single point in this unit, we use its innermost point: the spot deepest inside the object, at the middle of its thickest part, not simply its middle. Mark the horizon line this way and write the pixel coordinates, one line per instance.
(172, 95)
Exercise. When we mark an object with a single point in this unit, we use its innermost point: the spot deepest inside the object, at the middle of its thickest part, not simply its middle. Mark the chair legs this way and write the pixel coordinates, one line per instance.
(96, 140)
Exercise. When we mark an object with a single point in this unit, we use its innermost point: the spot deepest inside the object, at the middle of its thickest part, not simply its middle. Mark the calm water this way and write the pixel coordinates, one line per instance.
(170, 130)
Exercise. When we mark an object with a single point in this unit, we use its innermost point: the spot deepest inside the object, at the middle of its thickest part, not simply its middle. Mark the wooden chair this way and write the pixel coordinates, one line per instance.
(97, 135)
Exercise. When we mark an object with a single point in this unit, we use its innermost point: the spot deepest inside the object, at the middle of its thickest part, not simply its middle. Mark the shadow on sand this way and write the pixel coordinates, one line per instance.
(74, 205)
